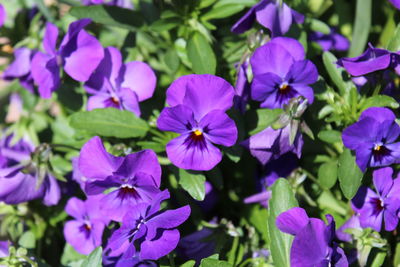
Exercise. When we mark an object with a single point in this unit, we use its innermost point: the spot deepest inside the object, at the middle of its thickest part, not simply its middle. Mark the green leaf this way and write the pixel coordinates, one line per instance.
(190, 263)
(319, 26)
(258, 218)
(110, 15)
(265, 117)
(349, 174)
(327, 174)
(44, 10)
(193, 183)
(27, 240)
(335, 73)
(214, 263)
(110, 122)
(282, 199)
(201, 55)
(330, 136)
(70, 255)
(165, 24)
(94, 259)
(379, 101)
(222, 11)
(362, 26)
(394, 43)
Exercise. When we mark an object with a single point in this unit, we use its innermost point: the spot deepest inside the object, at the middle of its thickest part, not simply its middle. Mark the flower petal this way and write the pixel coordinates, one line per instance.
(292, 221)
(179, 119)
(302, 72)
(294, 47)
(219, 128)
(50, 38)
(46, 73)
(383, 180)
(157, 248)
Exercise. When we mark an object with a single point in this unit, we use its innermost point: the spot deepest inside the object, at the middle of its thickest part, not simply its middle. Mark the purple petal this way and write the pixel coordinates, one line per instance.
(101, 100)
(396, 3)
(3, 15)
(274, 17)
(219, 128)
(52, 192)
(383, 180)
(302, 72)
(271, 58)
(292, 221)
(244, 23)
(185, 154)
(294, 47)
(140, 78)
(264, 85)
(202, 93)
(95, 161)
(46, 73)
(155, 204)
(379, 114)
(167, 220)
(25, 189)
(352, 223)
(82, 54)
(75, 208)
(390, 215)
(144, 161)
(305, 91)
(83, 240)
(155, 249)
(177, 119)
(360, 134)
(50, 38)
(21, 66)
(130, 100)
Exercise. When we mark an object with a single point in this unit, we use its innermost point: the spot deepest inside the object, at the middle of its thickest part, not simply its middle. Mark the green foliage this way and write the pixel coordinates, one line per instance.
(349, 174)
(201, 54)
(94, 259)
(193, 183)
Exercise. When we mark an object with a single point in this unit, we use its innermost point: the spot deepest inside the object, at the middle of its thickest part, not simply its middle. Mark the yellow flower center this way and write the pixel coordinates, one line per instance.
(377, 147)
(197, 133)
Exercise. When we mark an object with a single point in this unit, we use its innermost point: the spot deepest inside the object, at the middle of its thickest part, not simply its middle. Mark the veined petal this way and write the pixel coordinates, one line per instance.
(302, 72)
(264, 85)
(219, 128)
(179, 119)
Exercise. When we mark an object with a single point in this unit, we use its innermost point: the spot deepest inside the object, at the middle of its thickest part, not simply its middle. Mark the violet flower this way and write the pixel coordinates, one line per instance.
(281, 72)
(134, 178)
(118, 85)
(79, 54)
(121, 3)
(3, 15)
(331, 41)
(150, 230)
(197, 245)
(395, 3)
(84, 233)
(20, 68)
(242, 88)
(373, 59)
(198, 105)
(313, 243)
(270, 144)
(383, 205)
(272, 14)
(21, 180)
(373, 138)
(352, 223)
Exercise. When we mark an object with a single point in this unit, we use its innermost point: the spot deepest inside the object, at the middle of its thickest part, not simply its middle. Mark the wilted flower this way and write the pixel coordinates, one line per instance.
(272, 14)
(270, 144)
(134, 178)
(151, 231)
(79, 54)
(119, 85)
(281, 73)
(373, 138)
(383, 205)
(313, 243)
(331, 41)
(20, 68)
(84, 233)
(198, 105)
(22, 178)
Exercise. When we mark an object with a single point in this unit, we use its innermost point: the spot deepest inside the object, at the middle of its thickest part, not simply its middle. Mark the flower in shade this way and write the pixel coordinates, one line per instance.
(118, 85)
(270, 144)
(84, 233)
(3, 15)
(395, 3)
(272, 14)
(79, 54)
(198, 245)
(382, 205)
(132, 179)
(20, 68)
(373, 138)
(372, 60)
(198, 105)
(21, 178)
(151, 231)
(313, 243)
(331, 41)
(281, 73)
(242, 88)
(120, 3)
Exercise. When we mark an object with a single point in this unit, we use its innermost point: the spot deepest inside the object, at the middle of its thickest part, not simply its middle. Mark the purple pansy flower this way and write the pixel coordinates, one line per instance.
(20, 179)
(118, 85)
(79, 54)
(3, 15)
(149, 229)
(313, 243)
(84, 233)
(383, 205)
(331, 41)
(242, 88)
(20, 68)
(281, 72)
(198, 105)
(395, 3)
(270, 144)
(373, 59)
(272, 14)
(134, 178)
(373, 138)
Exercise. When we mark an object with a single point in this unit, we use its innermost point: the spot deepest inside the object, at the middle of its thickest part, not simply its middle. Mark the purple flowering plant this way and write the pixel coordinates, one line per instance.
(199, 133)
